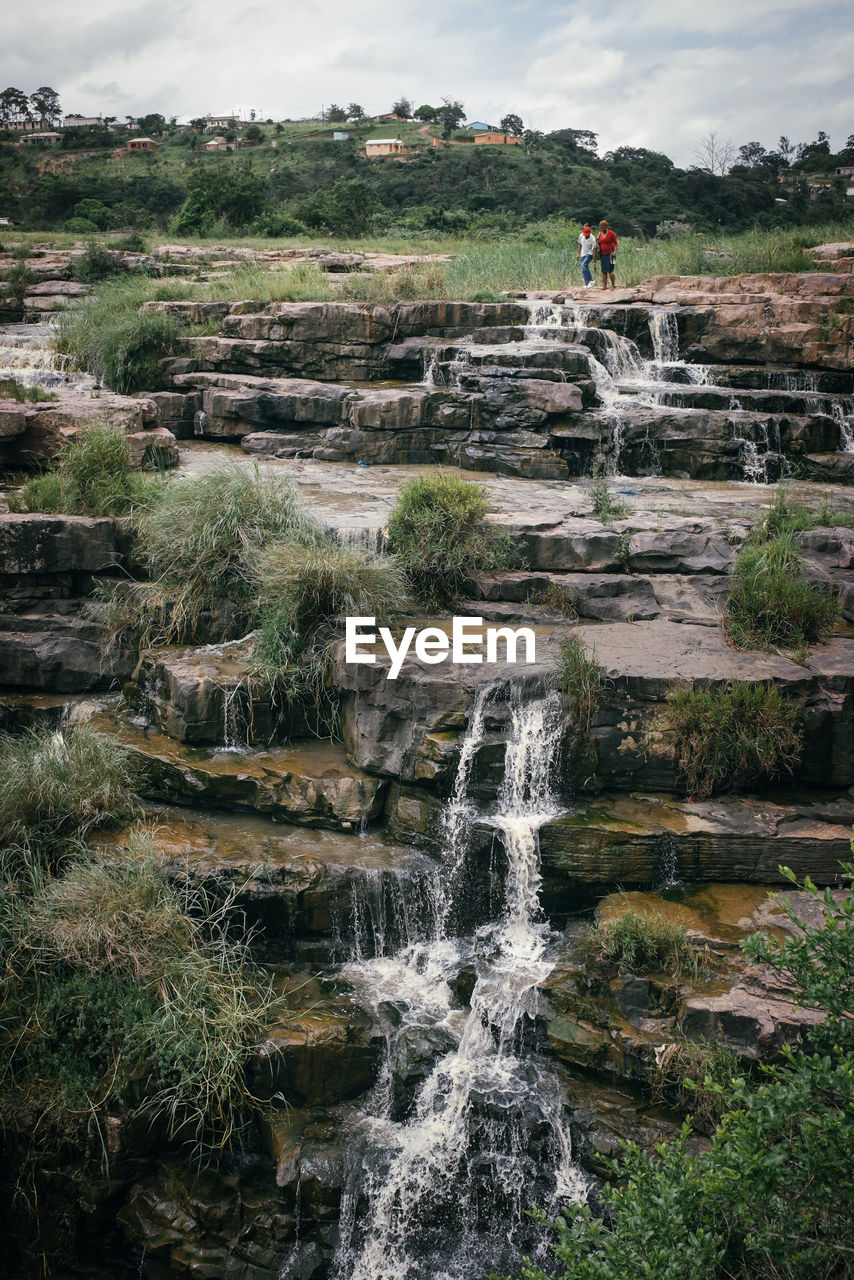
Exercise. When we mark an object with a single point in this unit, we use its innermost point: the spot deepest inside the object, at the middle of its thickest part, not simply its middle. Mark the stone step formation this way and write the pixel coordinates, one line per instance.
(392, 878)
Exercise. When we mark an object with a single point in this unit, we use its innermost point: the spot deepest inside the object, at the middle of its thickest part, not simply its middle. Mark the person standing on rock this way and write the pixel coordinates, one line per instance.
(607, 244)
(586, 249)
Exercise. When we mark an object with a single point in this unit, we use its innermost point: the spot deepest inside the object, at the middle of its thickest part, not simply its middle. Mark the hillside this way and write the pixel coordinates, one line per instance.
(298, 179)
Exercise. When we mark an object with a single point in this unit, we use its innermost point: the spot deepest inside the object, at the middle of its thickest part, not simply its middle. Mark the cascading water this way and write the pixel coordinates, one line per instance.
(28, 354)
(441, 1181)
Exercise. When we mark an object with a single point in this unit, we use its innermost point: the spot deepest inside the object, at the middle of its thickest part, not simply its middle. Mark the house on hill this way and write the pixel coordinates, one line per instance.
(40, 140)
(79, 122)
(494, 138)
(480, 126)
(216, 144)
(213, 124)
(141, 144)
(384, 147)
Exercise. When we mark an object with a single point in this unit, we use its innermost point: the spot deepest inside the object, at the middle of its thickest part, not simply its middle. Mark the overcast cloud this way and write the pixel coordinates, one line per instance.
(652, 73)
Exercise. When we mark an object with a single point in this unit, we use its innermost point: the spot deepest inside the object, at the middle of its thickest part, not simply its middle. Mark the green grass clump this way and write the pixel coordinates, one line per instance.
(696, 1076)
(123, 996)
(605, 506)
(582, 681)
(739, 736)
(642, 943)
(771, 603)
(111, 337)
(56, 788)
(199, 540)
(440, 534)
(305, 590)
(556, 599)
(11, 389)
(97, 263)
(93, 477)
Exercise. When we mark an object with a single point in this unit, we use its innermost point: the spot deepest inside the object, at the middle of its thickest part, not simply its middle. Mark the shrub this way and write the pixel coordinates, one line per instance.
(122, 995)
(638, 943)
(305, 589)
(738, 736)
(771, 603)
(200, 539)
(97, 263)
(696, 1076)
(771, 1197)
(19, 278)
(109, 336)
(56, 788)
(439, 531)
(94, 477)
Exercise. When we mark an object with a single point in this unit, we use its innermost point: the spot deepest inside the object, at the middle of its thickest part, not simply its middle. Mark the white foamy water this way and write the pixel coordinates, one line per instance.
(443, 1190)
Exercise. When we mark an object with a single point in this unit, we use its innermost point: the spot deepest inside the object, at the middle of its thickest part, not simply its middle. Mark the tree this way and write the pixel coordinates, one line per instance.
(425, 113)
(575, 140)
(335, 114)
(199, 122)
(714, 155)
(253, 133)
(46, 102)
(513, 125)
(785, 150)
(403, 108)
(355, 112)
(228, 192)
(751, 154)
(14, 105)
(450, 115)
(772, 1195)
(153, 123)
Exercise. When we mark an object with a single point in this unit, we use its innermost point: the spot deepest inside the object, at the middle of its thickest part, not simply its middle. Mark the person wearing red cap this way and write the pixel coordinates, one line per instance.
(586, 247)
(607, 244)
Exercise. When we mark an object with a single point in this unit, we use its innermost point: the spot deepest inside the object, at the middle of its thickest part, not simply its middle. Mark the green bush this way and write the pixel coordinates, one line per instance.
(200, 540)
(636, 943)
(771, 1197)
(19, 278)
(94, 477)
(305, 590)
(56, 788)
(771, 604)
(122, 996)
(109, 336)
(739, 736)
(439, 531)
(96, 264)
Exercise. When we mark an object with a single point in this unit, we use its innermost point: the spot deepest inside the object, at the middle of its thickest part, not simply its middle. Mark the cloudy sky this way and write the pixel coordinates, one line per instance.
(653, 73)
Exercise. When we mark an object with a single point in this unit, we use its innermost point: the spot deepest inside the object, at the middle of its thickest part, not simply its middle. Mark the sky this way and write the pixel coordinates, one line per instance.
(661, 74)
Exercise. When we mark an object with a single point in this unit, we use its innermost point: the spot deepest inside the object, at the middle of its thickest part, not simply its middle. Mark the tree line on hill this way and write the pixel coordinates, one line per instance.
(317, 184)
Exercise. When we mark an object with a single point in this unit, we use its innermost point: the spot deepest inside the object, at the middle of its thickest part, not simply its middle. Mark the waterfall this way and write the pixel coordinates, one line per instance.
(28, 354)
(664, 332)
(442, 1188)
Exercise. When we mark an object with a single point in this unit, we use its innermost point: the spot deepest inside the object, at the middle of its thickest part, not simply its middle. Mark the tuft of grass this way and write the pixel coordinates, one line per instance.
(56, 788)
(556, 599)
(199, 541)
(123, 996)
(94, 476)
(771, 603)
(19, 278)
(642, 943)
(582, 681)
(605, 506)
(439, 530)
(111, 337)
(739, 736)
(697, 1077)
(305, 590)
(11, 389)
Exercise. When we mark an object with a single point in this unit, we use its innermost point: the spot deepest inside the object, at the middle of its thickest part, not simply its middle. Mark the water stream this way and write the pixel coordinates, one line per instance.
(466, 1129)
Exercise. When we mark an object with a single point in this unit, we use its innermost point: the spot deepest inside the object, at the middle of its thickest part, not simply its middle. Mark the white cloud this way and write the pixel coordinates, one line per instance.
(658, 74)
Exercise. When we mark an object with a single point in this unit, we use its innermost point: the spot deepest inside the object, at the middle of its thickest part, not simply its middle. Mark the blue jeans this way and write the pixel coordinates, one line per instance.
(585, 267)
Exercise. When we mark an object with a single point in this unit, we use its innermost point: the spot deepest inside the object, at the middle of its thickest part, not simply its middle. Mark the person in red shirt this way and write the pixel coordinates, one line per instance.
(607, 242)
